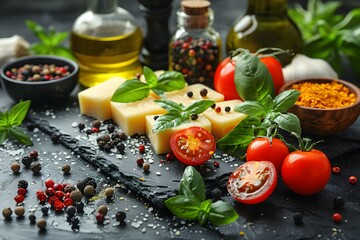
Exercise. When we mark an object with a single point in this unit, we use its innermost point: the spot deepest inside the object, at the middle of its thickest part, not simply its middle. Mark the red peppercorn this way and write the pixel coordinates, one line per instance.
(218, 109)
(140, 162)
(49, 183)
(170, 157)
(22, 191)
(50, 192)
(52, 200)
(59, 194)
(94, 130)
(337, 217)
(142, 148)
(68, 202)
(58, 187)
(100, 217)
(67, 195)
(42, 197)
(353, 179)
(19, 198)
(33, 155)
(58, 206)
(216, 164)
(192, 53)
(336, 170)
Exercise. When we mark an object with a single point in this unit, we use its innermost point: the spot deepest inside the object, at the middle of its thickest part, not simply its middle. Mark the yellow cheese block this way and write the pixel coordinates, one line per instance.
(95, 101)
(130, 117)
(161, 140)
(180, 96)
(223, 122)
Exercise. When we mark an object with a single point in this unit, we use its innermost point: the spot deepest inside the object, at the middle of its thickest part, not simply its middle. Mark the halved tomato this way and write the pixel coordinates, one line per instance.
(193, 145)
(252, 182)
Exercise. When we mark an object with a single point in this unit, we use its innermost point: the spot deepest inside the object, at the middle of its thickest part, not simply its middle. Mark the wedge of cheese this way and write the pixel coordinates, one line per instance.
(95, 101)
(130, 117)
(223, 122)
(161, 140)
(181, 96)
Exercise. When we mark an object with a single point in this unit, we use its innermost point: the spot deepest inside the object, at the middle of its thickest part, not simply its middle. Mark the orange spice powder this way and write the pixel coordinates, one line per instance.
(324, 95)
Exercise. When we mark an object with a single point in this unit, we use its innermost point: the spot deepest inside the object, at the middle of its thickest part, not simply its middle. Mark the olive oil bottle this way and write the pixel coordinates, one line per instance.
(265, 24)
(106, 41)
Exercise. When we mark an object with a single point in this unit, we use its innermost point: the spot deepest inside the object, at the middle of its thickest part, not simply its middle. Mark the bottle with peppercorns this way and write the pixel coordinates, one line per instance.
(195, 48)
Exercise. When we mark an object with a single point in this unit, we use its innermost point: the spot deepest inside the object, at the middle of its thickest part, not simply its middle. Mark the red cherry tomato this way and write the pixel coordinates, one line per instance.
(193, 146)
(252, 182)
(260, 149)
(306, 173)
(224, 76)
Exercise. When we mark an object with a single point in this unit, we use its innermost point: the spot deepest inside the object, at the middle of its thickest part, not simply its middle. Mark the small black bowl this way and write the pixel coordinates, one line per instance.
(41, 91)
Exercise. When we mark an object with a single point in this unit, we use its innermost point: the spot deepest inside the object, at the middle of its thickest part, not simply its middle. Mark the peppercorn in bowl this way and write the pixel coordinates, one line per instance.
(39, 78)
(325, 106)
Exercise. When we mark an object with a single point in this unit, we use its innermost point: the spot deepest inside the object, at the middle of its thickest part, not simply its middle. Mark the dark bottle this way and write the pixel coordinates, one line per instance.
(265, 24)
(195, 48)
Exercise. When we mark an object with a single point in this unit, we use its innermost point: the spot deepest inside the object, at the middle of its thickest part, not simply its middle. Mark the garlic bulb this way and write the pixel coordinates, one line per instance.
(303, 66)
(12, 47)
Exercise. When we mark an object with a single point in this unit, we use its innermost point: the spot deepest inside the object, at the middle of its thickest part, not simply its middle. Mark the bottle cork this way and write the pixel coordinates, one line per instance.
(195, 7)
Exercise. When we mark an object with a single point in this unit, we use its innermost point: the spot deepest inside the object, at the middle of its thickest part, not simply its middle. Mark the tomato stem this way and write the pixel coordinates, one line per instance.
(305, 144)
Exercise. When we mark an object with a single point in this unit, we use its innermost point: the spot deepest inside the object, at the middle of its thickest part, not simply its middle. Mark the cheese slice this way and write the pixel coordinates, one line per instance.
(95, 101)
(130, 117)
(161, 140)
(223, 122)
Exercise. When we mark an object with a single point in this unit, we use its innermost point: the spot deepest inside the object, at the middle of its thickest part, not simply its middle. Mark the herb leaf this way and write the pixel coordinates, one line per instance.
(252, 108)
(20, 136)
(18, 113)
(191, 185)
(137, 90)
(288, 122)
(130, 91)
(253, 80)
(285, 100)
(183, 207)
(178, 113)
(222, 213)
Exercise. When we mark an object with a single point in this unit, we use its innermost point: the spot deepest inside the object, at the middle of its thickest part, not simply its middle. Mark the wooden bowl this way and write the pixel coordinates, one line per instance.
(326, 121)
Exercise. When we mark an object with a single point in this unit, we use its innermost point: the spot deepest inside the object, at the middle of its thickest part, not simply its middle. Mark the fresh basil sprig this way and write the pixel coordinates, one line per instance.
(11, 119)
(134, 90)
(262, 116)
(328, 35)
(191, 202)
(50, 42)
(177, 113)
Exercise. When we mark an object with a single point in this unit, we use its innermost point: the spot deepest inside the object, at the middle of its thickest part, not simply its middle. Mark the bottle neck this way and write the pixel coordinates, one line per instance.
(102, 6)
(267, 7)
(195, 21)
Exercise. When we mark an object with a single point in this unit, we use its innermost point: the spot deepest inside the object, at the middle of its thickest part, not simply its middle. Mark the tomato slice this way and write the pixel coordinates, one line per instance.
(252, 182)
(193, 145)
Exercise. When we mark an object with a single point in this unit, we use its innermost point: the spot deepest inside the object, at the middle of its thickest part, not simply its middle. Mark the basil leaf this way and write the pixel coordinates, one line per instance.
(200, 106)
(171, 81)
(20, 136)
(268, 104)
(288, 122)
(170, 105)
(58, 38)
(150, 77)
(253, 80)
(18, 113)
(251, 108)
(202, 218)
(285, 100)
(3, 120)
(238, 139)
(183, 207)
(169, 120)
(38, 31)
(131, 91)
(3, 136)
(192, 184)
(222, 213)
(206, 206)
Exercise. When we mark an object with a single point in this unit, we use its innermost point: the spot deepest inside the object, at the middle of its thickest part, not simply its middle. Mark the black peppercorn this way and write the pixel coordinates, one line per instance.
(23, 184)
(88, 131)
(213, 106)
(339, 202)
(27, 161)
(30, 126)
(227, 109)
(80, 206)
(203, 92)
(81, 185)
(90, 181)
(216, 194)
(189, 94)
(44, 210)
(298, 218)
(35, 167)
(81, 126)
(110, 128)
(122, 135)
(156, 117)
(194, 116)
(71, 211)
(120, 216)
(32, 218)
(107, 147)
(120, 147)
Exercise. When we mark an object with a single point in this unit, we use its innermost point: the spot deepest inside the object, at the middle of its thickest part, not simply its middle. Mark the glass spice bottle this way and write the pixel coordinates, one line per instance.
(265, 24)
(106, 40)
(195, 48)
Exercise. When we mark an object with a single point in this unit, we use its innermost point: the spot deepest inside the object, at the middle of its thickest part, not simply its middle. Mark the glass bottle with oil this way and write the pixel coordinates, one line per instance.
(265, 24)
(106, 40)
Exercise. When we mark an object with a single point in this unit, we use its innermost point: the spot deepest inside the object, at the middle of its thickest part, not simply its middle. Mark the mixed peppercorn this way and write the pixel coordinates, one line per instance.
(38, 72)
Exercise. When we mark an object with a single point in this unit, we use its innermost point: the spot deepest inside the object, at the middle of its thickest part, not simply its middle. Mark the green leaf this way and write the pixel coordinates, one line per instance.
(238, 139)
(183, 207)
(253, 80)
(150, 77)
(18, 113)
(38, 31)
(3, 136)
(20, 136)
(58, 38)
(192, 184)
(131, 91)
(202, 218)
(251, 108)
(206, 206)
(169, 105)
(63, 52)
(288, 122)
(169, 120)
(350, 21)
(171, 81)
(222, 213)
(285, 100)
(200, 106)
